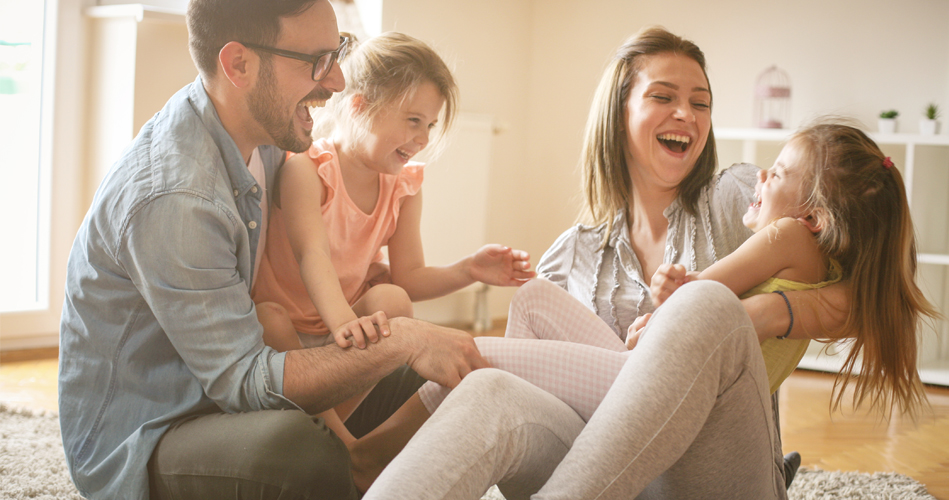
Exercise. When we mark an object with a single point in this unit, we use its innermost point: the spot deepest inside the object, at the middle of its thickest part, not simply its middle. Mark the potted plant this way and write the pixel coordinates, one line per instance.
(928, 124)
(887, 122)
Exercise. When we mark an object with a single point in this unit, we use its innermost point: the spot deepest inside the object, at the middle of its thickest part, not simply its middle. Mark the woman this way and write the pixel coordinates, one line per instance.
(689, 413)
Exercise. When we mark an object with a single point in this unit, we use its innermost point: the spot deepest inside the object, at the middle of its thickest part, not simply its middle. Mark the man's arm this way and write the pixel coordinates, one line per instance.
(818, 314)
(320, 378)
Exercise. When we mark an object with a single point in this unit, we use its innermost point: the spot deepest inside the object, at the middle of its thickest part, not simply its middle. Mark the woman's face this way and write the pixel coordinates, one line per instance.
(668, 117)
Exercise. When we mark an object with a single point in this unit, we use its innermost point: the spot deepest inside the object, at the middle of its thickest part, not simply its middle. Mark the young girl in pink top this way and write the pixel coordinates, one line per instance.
(322, 278)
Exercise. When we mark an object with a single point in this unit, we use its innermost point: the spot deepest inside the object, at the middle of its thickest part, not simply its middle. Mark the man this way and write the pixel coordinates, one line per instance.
(166, 387)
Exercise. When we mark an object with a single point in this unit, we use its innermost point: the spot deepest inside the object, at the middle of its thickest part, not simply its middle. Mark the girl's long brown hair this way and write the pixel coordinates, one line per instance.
(606, 182)
(859, 197)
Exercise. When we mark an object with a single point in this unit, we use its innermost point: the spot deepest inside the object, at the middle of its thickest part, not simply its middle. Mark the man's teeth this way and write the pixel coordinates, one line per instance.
(675, 137)
(315, 103)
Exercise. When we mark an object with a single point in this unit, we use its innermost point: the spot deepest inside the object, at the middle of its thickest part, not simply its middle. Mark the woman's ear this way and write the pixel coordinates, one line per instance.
(237, 64)
(815, 220)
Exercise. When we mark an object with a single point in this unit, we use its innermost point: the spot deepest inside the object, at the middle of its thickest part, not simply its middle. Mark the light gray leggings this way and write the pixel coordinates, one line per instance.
(688, 416)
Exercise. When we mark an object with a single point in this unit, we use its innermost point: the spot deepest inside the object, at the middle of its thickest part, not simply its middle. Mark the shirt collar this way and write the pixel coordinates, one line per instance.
(240, 177)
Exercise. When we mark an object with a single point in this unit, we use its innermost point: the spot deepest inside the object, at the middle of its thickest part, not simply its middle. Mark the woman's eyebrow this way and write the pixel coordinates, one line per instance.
(676, 87)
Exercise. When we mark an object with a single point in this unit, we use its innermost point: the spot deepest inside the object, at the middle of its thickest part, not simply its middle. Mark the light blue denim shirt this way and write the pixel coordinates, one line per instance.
(158, 322)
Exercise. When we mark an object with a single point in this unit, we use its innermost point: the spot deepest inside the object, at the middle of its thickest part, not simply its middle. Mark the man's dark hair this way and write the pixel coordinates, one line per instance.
(214, 23)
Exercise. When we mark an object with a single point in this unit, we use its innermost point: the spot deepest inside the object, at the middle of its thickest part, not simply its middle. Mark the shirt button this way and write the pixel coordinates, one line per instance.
(236, 192)
(253, 189)
(252, 224)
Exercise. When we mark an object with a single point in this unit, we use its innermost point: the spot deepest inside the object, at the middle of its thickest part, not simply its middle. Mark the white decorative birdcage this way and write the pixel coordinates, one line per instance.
(773, 99)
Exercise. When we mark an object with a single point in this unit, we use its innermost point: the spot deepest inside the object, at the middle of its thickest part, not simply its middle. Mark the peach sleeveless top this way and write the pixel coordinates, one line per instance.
(356, 239)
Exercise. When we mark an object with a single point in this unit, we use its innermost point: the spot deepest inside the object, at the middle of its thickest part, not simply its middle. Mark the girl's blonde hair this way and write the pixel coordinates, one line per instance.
(386, 69)
(606, 182)
(858, 197)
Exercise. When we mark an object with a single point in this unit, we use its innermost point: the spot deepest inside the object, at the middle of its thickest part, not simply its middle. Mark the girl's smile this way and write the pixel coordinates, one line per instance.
(401, 131)
(779, 191)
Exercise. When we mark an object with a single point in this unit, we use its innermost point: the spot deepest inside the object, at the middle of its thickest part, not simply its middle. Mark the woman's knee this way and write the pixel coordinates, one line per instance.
(391, 299)
(529, 295)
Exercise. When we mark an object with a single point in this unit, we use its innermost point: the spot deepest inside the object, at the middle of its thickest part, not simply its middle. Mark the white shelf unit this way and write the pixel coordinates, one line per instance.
(924, 162)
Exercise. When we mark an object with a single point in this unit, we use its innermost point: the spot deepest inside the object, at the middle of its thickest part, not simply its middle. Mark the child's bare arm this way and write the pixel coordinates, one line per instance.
(301, 193)
(492, 264)
(784, 245)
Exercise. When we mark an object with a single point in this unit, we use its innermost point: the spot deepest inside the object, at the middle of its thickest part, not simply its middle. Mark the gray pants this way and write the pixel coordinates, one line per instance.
(688, 416)
(274, 454)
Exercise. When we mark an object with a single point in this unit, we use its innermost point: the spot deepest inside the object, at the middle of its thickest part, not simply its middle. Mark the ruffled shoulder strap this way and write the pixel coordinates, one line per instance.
(409, 180)
(323, 154)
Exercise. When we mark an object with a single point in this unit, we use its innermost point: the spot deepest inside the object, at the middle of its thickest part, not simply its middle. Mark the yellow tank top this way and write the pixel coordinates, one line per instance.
(781, 356)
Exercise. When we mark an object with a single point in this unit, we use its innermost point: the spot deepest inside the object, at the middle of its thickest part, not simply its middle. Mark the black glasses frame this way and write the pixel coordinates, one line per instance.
(337, 55)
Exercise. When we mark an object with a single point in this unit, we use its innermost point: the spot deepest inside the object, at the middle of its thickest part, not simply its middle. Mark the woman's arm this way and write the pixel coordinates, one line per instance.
(492, 264)
(301, 194)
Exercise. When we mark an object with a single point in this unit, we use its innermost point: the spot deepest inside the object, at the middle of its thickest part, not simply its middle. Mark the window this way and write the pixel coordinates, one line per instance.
(24, 158)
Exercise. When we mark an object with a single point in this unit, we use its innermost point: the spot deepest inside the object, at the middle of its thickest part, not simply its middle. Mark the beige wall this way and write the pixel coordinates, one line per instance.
(535, 63)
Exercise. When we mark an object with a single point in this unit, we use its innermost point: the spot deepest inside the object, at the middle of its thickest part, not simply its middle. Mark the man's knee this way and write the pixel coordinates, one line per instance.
(307, 455)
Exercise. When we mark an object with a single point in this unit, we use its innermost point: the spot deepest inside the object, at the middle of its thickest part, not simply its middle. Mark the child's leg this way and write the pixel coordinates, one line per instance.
(372, 452)
(388, 298)
(279, 332)
(543, 310)
(578, 374)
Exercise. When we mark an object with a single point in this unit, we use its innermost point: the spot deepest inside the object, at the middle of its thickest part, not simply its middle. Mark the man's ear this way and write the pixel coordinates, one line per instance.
(815, 220)
(238, 64)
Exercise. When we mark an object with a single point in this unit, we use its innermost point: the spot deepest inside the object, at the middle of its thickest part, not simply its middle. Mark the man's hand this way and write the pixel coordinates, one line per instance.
(439, 354)
(668, 279)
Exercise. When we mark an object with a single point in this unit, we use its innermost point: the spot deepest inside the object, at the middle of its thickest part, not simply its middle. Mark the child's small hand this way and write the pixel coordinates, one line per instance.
(635, 330)
(500, 265)
(668, 279)
(357, 331)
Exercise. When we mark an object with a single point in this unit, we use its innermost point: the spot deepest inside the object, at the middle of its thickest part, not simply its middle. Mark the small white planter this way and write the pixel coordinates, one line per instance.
(886, 125)
(928, 127)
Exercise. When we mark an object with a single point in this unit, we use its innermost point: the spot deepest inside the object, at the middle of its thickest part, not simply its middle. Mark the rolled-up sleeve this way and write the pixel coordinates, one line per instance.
(189, 257)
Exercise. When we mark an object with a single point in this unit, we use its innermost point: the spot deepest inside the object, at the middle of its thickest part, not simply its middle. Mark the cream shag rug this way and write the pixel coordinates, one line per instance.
(32, 466)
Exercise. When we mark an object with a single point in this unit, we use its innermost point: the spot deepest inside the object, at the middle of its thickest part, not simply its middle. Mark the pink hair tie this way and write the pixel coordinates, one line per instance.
(887, 163)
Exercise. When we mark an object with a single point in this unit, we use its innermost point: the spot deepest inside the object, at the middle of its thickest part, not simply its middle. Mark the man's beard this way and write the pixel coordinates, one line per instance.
(264, 107)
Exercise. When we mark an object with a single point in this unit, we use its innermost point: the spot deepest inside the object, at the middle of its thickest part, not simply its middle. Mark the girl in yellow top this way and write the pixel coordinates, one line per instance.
(831, 196)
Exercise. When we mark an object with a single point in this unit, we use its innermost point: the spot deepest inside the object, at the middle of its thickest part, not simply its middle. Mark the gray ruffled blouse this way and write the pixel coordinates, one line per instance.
(609, 280)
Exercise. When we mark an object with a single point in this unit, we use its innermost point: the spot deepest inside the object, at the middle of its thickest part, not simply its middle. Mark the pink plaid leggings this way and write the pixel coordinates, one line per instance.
(554, 342)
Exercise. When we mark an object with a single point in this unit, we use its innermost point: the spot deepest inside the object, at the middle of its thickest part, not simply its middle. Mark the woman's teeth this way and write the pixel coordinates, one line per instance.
(675, 142)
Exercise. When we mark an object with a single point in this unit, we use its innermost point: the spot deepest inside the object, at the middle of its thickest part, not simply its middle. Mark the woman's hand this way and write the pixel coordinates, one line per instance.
(634, 332)
(359, 330)
(500, 265)
(668, 279)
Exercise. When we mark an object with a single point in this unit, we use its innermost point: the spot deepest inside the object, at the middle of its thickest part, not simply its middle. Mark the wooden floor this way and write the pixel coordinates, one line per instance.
(839, 441)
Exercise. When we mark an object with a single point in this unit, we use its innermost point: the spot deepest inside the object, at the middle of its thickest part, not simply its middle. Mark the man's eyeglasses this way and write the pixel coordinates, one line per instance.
(322, 63)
